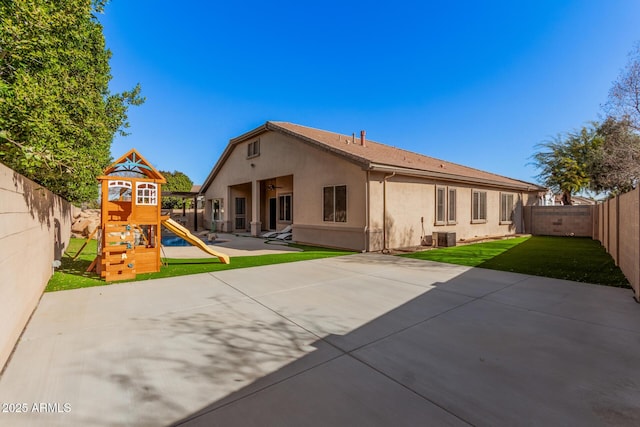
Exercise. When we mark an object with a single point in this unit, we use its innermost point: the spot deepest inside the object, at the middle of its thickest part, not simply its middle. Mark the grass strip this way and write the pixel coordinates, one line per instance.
(72, 274)
(569, 258)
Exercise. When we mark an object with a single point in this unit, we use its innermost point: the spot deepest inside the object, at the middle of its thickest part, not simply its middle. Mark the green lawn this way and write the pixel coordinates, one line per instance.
(569, 258)
(72, 275)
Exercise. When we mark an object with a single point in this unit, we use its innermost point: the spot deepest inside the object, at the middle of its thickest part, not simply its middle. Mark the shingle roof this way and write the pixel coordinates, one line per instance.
(380, 154)
(376, 156)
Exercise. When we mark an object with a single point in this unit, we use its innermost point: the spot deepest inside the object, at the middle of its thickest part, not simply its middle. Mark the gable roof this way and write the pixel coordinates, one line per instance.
(132, 161)
(375, 156)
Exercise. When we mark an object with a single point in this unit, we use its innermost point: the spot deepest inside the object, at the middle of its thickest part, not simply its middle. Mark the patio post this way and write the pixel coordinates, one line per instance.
(256, 225)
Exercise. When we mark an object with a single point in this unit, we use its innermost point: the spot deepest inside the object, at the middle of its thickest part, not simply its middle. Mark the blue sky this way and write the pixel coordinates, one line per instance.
(478, 83)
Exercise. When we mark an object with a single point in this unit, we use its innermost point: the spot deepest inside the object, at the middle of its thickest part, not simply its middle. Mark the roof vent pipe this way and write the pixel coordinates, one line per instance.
(362, 139)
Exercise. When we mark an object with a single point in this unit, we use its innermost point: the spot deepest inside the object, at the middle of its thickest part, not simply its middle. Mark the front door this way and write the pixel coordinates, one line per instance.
(272, 213)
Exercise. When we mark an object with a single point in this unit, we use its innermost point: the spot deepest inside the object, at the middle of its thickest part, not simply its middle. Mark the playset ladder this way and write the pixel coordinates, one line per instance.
(118, 253)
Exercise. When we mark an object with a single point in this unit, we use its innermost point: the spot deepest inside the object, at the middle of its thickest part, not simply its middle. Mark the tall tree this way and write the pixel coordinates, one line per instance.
(565, 162)
(616, 165)
(57, 115)
(624, 95)
(176, 181)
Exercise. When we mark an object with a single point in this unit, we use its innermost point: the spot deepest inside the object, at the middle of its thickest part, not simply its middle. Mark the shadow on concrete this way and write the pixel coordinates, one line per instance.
(370, 340)
(443, 358)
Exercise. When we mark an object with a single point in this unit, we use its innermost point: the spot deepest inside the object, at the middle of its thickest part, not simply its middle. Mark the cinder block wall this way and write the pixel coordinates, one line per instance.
(619, 222)
(559, 220)
(35, 226)
(629, 239)
(612, 245)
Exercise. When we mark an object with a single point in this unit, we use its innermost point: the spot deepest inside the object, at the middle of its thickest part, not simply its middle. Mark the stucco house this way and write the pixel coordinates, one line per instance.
(348, 192)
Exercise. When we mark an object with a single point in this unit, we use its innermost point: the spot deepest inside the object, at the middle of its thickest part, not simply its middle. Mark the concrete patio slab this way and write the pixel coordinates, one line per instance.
(338, 309)
(573, 301)
(87, 308)
(276, 278)
(358, 340)
(165, 364)
(493, 364)
(350, 394)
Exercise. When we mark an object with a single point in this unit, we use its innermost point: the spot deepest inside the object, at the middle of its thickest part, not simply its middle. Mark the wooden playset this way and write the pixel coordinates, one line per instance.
(131, 219)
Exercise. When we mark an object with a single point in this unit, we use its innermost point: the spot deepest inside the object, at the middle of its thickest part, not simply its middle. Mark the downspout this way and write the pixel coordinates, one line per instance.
(384, 212)
(520, 225)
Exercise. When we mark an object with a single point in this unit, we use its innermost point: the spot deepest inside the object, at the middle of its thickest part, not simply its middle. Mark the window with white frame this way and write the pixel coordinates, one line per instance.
(253, 149)
(445, 206)
(506, 208)
(146, 193)
(441, 193)
(284, 202)
(119, 191)
(451, 212)
(335, 203)
(479, 206)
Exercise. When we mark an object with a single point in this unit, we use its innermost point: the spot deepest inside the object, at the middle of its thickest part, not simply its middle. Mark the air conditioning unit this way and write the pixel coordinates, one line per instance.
(444, 240)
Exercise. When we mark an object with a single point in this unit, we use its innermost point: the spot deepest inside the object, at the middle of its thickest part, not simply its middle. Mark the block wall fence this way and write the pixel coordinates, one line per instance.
(559, 220)
(618, 229)
(35, 227)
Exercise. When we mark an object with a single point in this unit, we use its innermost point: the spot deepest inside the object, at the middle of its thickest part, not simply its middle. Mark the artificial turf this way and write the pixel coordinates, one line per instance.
(568, 258)
(72, 275)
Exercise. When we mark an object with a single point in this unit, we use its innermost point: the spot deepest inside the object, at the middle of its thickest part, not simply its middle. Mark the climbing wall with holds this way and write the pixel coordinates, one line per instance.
(118, 252)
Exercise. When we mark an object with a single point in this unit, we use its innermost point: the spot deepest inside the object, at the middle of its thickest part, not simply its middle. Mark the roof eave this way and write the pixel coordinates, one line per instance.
(453, 177)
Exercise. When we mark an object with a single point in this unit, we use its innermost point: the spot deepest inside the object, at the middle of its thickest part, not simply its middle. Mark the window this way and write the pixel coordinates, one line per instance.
(506, 208)
(479, 206)
(451, 218)
(241, 209)
(285, 207)
(253, 149)
(119, 191)
(440, 204)
(216, 209)
(335, 203)
(146, 194)
(445, 206)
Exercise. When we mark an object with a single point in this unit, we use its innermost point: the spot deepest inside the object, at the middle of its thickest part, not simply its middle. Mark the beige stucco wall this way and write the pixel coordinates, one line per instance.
(297, 168)
(309, 170)
(411, 211)
(35, 226)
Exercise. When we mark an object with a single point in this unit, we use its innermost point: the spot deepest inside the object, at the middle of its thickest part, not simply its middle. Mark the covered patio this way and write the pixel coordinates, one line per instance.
(258, 206)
